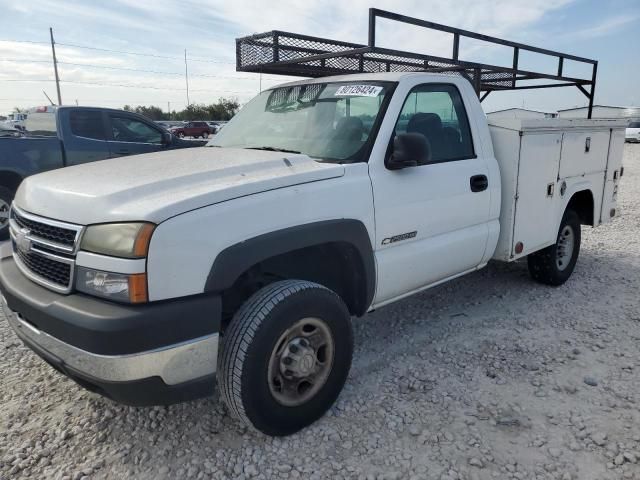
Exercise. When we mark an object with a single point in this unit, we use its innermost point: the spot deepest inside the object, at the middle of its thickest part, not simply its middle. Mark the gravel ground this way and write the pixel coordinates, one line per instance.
(490, 376)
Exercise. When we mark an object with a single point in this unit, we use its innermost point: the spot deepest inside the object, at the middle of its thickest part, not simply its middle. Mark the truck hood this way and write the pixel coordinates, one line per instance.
(157, 186)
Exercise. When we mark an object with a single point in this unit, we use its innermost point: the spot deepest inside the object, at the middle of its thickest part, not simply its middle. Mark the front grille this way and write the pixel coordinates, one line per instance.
(51, 233)
(51, 270)
(44, 249)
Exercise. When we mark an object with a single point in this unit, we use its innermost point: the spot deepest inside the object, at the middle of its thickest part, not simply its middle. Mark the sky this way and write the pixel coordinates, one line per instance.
(132, 51)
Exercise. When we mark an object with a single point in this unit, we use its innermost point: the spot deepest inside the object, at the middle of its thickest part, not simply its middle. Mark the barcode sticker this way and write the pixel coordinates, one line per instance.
(358, 91)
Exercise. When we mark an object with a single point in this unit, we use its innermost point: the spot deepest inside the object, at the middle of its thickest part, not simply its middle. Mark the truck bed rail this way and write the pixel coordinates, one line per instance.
(286, 53)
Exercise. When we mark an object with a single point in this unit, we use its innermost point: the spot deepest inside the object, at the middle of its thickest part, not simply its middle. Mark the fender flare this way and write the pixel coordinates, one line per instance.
(237, 259)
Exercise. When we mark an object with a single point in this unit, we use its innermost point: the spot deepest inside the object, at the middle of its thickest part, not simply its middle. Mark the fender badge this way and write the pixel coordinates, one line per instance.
(399, 238)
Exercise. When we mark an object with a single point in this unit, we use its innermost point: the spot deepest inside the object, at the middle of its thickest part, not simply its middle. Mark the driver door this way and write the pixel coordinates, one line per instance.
(132, 136)
(431, 219)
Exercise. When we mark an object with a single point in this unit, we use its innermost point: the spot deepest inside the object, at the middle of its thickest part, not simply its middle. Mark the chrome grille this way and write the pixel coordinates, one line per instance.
(51, 233)
(54, 271)
(44, 249)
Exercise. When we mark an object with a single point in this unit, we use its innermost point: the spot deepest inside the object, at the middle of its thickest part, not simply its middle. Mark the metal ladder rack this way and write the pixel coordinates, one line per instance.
(294, 54)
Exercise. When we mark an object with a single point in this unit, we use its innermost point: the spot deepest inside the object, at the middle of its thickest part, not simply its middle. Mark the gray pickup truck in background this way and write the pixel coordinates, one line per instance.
(63, 136)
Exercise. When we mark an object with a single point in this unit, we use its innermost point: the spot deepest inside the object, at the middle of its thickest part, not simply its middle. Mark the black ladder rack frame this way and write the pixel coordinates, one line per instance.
(293, 54)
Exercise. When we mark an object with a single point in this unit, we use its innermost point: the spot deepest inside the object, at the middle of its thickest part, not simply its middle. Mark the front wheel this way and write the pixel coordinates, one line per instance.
(554, 264)
(285, 356)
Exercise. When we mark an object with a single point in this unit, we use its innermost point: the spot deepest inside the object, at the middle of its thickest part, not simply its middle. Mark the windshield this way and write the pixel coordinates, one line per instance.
(327, 121)
(634, 125)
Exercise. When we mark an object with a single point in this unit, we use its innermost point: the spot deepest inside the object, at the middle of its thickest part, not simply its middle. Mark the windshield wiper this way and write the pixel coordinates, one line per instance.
(273, 149)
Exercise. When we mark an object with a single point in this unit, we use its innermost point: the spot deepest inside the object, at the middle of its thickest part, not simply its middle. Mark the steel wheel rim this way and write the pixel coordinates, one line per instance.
(4, 214)
(564, 249)
(301, 362)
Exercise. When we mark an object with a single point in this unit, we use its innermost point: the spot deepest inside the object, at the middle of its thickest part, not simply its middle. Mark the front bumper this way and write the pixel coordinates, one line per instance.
(150, 354)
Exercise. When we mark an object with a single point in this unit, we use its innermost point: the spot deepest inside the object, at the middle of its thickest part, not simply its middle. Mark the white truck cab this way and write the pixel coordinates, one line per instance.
(148, 279)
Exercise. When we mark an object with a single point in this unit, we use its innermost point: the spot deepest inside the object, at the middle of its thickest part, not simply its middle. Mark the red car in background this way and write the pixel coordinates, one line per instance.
(192, 129)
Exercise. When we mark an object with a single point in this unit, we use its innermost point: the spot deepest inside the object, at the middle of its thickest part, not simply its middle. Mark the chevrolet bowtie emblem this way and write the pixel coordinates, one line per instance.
(23, 242)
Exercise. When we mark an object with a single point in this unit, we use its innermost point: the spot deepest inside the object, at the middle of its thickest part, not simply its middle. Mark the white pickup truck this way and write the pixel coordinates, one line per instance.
(145, 278)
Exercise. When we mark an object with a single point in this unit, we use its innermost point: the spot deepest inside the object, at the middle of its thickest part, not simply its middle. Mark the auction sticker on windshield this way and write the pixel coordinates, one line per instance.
(358, 90)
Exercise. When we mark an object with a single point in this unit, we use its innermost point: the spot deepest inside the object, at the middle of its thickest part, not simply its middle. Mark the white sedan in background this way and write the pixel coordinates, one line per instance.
(633, 132)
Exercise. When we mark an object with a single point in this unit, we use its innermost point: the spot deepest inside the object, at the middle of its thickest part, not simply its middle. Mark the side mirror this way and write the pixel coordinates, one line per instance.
(167, 138)
(409, 150)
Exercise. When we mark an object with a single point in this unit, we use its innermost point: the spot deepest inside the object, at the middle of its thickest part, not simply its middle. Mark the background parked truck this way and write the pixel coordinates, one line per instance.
(64, 136)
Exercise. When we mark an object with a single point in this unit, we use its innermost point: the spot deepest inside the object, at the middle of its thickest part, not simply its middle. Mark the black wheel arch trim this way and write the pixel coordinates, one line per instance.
(237, 259)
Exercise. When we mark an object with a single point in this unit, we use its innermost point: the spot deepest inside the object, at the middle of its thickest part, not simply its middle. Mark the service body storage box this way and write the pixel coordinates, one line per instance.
(543, 163)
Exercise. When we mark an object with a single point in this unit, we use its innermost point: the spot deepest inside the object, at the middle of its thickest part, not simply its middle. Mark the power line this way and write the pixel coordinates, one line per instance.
(24, 41)
(118, 51)
(107, 67)
(141, 70)
(124, 85)
(153, 55)
(39, 99)
(18, 60)
(130, 69)
(204, 75)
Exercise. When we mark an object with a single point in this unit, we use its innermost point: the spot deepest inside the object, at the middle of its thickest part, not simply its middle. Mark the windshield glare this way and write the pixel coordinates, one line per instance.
(327, 121)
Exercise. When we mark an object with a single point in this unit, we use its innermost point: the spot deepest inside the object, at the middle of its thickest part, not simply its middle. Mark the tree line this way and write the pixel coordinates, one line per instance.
(223, 109)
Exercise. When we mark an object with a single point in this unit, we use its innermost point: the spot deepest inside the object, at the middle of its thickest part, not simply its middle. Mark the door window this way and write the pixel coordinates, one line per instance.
(437, 112)
(87, 124)
(126, 129)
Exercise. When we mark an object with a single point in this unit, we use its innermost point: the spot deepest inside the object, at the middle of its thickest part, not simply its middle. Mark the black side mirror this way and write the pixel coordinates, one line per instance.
(166, 138)
(409, 150)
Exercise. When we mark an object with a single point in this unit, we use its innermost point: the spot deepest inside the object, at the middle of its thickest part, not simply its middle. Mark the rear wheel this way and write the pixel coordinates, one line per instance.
(554, 264)
(205, 135)
(6, 197)
(285, 356)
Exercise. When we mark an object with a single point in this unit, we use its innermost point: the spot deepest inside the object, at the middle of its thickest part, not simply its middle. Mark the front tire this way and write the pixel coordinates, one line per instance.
(554, 264)
(285, 356)
(6, 197)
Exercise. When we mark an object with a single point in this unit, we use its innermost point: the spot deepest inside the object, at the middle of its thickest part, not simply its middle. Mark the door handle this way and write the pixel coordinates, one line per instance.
(478, 183)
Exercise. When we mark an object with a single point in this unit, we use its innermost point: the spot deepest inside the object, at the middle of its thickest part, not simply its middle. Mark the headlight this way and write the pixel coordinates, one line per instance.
(113, 286)
(126, 240)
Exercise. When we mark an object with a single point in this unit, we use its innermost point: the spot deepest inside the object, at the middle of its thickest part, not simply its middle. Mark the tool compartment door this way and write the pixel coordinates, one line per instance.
(535, 219)
(583, 153)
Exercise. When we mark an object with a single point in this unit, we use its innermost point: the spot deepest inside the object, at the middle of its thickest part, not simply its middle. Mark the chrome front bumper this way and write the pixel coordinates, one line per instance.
(174, 364)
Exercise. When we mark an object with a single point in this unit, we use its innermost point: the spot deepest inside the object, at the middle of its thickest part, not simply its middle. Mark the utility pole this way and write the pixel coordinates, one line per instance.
(169, 109)
(186, 75)
(55, 65)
